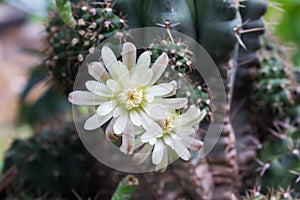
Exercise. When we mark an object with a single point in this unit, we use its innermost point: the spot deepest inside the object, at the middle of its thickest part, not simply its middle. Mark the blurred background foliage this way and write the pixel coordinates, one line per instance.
(283, 19)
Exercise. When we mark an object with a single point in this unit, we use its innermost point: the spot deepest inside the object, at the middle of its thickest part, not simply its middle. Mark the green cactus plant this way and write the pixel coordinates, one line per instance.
(276, 86)
(277, 94)
(230, 31)
(281, 156)
(55, 165)
(279, 194)
(218, 18)
(177, 13)
(274, 82)
(68, 46)
(52, 162)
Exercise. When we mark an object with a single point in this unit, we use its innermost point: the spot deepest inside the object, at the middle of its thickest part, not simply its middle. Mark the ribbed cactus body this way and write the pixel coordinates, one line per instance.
(248, 58)
(217, 20)
(175, 12)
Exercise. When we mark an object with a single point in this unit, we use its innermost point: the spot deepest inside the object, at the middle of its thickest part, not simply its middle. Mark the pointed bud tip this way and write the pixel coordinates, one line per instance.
(128, 45)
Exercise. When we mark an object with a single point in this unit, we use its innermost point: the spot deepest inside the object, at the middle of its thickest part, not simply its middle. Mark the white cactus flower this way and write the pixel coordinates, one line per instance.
(126, 92)
(177, 139)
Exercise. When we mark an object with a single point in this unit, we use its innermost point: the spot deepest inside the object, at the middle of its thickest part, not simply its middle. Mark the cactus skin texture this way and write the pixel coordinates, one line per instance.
(177, 12)
(179, 54)
(68, 47)
(273, 88)
(277, 94)
(50, 162)
(276, 90)
(55, 165)
(282, 157)
(294, 111)
(218, 18)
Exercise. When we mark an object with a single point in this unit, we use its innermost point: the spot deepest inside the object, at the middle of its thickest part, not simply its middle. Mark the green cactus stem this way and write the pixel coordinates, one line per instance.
(176, 12)
(65, 12)
(126, 188)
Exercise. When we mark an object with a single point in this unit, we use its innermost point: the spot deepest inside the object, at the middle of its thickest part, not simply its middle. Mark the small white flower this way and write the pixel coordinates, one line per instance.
(126, 92)
(177, 139)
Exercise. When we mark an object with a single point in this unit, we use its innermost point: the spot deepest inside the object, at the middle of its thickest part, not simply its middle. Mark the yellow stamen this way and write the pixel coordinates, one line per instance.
(132, 98)
(168, 126)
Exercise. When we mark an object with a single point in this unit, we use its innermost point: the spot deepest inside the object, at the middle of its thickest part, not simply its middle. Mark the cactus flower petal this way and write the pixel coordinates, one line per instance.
(157, 154)
(129, 55)
(142, 155)
(171, 104)
(121, 123)
(144, 61)
(176, 139)
(85, 98)
(98, 72)
(162, 89)
(128, 140)
(96, 121)
(159, 66)
(98, 88)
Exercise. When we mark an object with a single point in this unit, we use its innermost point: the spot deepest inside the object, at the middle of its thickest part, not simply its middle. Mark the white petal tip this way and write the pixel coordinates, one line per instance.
(89, 128)
(129, 46)
(70, 98)
(164, 55)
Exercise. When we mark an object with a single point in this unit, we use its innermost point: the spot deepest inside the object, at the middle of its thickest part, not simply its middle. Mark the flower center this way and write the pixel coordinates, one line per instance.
(168, 126)
(133, 98)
